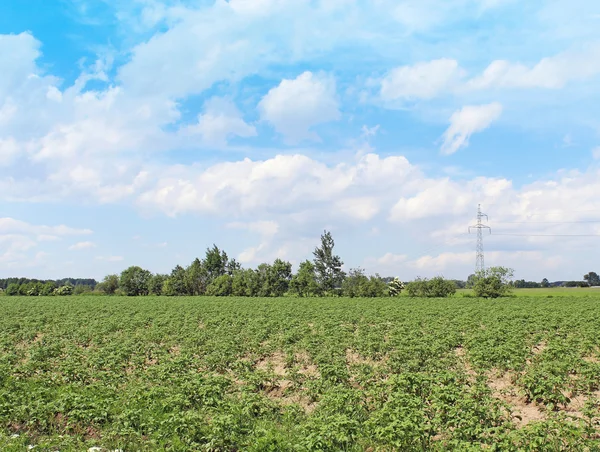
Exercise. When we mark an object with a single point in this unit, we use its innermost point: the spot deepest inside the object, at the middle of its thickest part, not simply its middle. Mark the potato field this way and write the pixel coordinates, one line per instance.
(295, 374)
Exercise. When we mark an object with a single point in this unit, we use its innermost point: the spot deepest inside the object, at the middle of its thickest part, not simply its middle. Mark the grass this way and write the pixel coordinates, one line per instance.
(158, 373)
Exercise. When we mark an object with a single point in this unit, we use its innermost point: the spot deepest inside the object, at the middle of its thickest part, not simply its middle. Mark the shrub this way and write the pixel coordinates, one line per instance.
(12, 289)
(67, 289)
(220, 287)
(437, 287)
(395, 287)
(493, 282)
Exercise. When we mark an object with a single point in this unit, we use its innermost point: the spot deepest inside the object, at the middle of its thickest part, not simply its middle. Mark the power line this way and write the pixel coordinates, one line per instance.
(548, 222)
(549, 235)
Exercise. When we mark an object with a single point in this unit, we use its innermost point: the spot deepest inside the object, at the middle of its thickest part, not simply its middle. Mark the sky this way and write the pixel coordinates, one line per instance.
(141, 132)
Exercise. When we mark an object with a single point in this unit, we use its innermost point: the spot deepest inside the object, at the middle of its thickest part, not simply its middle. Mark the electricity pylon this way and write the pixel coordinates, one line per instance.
(479, 261)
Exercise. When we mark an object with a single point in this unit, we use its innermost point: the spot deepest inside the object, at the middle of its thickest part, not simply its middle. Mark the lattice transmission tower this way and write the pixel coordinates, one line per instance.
(479, 260)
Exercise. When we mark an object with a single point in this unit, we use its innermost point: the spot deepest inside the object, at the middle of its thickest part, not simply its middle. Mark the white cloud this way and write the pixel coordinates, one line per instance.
(424, 80)
(17, 238)
(82, 246)
(220, 121)
(264, 228)
(9, 225)
(596, 153)
(550, 73)
(361, 208)
(284, 183)
(467, 121)
(295, 106)
(110, 258)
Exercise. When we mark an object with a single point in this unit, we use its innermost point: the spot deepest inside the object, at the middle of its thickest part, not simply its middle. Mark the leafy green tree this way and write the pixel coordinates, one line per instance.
(592, 279)
(545, 283)
(493, 282)
(232, 267)
(328, 266)
(24, 288)
(437, 287)
(220, 286)
(245, 283)
(215, 262)
(156, 284)
(13, 289)
(135, 281)
(278, 278)
(48, 288)
(471, 280)
(175, 285)
(110, 284)
(197, 278)
(355, 283)
(261, 280)
(304, 283)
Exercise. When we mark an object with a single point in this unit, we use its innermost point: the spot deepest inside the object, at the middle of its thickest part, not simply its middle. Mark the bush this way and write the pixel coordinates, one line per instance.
(395, 287)
(12, 289)
(220, 287)
(493, 282)
(135, 281)
(437, 287)
(65, 290)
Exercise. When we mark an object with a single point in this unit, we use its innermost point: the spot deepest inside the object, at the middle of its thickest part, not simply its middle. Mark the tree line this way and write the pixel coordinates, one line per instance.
(218, 275)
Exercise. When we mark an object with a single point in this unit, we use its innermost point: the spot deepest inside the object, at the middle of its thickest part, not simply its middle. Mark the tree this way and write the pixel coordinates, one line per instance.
(65, 290)
(545, 283)
(156, 284)
(215, 262)
(245, 283)
(437, 287)
(261, 280)
(355, 282)
(328, 267)
(110, 284)
(48, 288)
(233, 266)
(197, 278)
(395, 287)
(493, 282)
(471, 280)
(592, 279)
(176, 283)
(304, 283)
(278, 278)
(135, 281)
(12, 289)
(220, 286)
(375, 287)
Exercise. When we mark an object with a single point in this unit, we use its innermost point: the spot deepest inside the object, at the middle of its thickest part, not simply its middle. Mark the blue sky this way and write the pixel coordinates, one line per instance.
(142, 132)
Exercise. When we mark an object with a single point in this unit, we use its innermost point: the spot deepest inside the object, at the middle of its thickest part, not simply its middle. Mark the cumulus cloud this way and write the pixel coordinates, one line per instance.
(550, 73)
(18, 238)
(221, 120)
(284, 183)
(467, 121)
(82, 246)
(295, 106)
(11, 225)
(424, 80)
